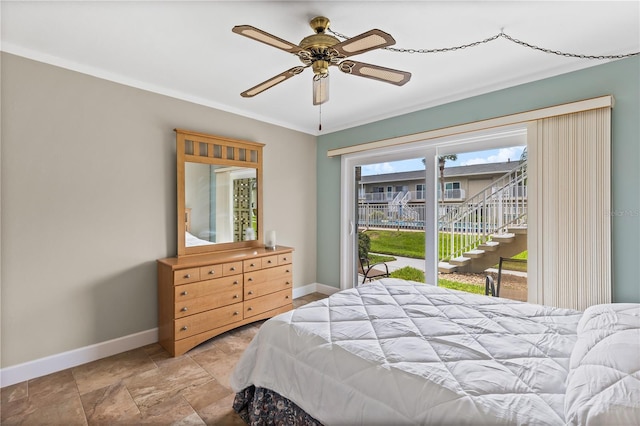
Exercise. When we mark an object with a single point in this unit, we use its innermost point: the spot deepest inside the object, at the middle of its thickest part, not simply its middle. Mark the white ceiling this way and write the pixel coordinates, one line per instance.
(187, 50)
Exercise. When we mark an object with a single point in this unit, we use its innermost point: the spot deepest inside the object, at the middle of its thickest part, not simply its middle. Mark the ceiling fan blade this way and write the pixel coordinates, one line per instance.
(265, 37)
(320, 89)
(372, 39)
(255, 90)
(375, 72)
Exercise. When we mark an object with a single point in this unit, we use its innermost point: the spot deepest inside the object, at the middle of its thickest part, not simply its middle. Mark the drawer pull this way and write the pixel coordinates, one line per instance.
(235, 296)
(285, 259)
(211, 272)
(250, 292)
(287, 296)
(236, 313)
(233, 268)
(184, 328)
(268, 261)
(187, 276)
(184, 309)
(235, 282)
(249, 308)
(252, 265)
(288, 270)
(288, 282)
(250, 279)
(184, 293)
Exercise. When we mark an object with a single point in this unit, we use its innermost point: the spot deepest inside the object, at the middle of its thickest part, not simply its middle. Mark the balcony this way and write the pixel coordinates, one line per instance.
(453, 195)
(386, 197)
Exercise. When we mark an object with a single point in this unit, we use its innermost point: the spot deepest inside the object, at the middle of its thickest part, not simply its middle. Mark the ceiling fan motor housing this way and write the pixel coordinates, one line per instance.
(318, 46)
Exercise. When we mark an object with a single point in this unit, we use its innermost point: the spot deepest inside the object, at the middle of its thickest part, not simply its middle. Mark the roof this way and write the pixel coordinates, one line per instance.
(470, 170)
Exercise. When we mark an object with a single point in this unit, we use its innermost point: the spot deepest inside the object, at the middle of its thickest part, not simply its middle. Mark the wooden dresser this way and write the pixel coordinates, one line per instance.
(202, 296)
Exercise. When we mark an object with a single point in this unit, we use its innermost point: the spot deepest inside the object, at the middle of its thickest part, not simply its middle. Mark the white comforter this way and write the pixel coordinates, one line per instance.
(396, 352)
(603, 387)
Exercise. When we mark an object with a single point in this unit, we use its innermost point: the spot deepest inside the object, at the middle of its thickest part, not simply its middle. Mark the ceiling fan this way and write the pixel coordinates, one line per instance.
(320, 51)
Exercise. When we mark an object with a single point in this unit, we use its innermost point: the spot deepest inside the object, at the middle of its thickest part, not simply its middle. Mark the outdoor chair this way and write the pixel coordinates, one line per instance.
(491, 288)
(369, 272)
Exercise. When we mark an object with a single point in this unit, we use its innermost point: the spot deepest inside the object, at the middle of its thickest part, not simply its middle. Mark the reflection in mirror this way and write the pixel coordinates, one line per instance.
(221, 204)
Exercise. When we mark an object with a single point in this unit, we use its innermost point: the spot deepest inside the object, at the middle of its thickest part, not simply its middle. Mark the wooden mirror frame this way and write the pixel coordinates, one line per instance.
(193, 147)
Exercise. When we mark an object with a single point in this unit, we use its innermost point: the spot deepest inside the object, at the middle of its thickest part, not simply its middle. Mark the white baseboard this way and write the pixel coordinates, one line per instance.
(326, 289)
(62, 361)
(314, 288)
(54, 363)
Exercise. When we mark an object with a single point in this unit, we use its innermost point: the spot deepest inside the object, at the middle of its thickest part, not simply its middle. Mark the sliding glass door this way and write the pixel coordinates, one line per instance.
(394, 210)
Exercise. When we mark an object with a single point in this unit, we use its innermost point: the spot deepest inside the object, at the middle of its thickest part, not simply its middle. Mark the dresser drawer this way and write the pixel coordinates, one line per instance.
(266, 303)
(210, 271)
(261, 289)
(255, 277)
(284, 259)
(269, 261)
(279, 272)
(252, 265)
(183, 276)
(232, 268)
(192, 291)
(205, 321)
(206, 295)
(207, 302)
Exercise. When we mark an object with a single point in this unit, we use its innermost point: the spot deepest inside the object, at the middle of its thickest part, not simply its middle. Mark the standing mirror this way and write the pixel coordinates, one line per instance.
(219, 193)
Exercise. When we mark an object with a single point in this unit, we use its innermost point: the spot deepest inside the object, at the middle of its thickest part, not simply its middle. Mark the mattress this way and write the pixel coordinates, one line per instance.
(398, 352)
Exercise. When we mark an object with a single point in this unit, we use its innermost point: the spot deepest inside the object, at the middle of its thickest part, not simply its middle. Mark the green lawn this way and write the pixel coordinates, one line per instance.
(413, 274)
(405, 243)
(398, 243)
(409, 273)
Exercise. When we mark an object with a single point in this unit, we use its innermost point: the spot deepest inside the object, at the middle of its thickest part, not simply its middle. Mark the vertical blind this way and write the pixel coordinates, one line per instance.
(570, 190)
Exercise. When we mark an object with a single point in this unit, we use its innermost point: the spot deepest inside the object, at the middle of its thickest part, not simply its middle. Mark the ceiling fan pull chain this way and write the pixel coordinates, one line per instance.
(320, 117)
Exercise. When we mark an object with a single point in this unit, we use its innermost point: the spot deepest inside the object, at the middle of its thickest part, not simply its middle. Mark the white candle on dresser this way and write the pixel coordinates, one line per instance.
(270, 240)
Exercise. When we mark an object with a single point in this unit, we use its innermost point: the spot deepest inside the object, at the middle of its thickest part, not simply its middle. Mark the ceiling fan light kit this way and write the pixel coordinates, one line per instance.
(320, 51)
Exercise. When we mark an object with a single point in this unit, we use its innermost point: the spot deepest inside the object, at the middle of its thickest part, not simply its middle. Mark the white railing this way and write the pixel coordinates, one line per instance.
(381, 197)
(385, 215)
(453, 194)
(501, 204)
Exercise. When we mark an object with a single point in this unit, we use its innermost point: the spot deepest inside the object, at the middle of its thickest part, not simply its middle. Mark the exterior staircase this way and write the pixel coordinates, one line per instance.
(487, 254)
(399, 207)
(489, 225)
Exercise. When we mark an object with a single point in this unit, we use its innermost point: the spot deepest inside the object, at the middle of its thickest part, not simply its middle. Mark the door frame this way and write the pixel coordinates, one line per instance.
(429, 149)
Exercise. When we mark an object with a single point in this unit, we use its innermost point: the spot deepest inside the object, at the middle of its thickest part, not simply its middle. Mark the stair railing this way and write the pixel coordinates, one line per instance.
(492, 210)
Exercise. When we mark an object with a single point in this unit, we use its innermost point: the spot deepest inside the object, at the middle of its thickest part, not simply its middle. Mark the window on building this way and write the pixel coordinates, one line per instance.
(452, 185)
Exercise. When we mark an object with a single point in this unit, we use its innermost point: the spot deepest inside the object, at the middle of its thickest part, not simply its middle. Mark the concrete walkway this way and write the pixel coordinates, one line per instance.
(401, 262)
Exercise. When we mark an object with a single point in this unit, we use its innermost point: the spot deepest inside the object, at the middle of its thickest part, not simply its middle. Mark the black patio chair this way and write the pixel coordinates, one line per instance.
(491, 288)
(369, 272)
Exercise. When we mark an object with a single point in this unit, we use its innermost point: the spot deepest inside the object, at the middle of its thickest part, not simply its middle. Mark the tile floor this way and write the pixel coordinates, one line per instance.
(141, 386)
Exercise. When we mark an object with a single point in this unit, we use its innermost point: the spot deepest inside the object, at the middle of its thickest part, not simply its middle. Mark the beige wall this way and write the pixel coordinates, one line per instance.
(88, 203)
(473, 186)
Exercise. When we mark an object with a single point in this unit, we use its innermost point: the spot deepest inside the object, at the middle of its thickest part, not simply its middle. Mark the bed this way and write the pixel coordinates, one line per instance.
(191, 240)
(397, 352)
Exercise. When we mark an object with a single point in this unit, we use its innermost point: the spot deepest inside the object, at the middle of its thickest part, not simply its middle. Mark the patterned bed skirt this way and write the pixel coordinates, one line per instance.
(260, 406)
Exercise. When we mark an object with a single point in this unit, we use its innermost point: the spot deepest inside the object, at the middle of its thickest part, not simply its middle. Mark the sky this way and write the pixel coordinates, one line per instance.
(465, 159)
